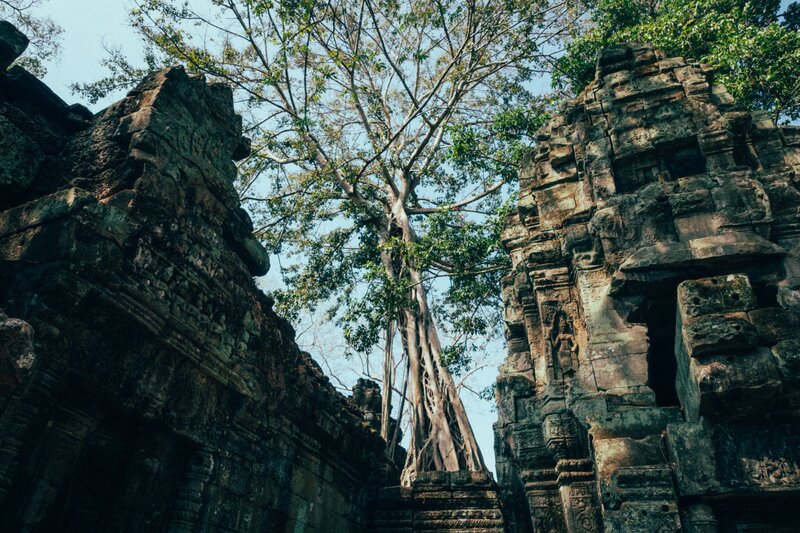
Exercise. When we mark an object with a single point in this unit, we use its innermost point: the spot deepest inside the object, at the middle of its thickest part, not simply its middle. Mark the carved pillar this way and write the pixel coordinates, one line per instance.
(186, 510)
(65, 443)
(579, 495)
(26, 391)
(575, 477)
(544, 501)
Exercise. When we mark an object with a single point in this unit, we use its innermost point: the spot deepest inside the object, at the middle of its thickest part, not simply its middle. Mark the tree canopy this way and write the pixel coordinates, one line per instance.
(753, 47)
(386, 137)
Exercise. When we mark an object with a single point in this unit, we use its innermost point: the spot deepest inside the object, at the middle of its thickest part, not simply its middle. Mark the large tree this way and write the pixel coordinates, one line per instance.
(384, 134)
(753, 45)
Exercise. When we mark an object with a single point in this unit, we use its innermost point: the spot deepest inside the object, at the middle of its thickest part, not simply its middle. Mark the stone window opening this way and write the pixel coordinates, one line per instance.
(744, 155)
(683, 159)
(667, 162)
(658, 314)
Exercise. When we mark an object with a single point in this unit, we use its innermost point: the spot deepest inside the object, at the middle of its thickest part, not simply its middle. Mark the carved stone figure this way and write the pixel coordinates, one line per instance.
(563, 347)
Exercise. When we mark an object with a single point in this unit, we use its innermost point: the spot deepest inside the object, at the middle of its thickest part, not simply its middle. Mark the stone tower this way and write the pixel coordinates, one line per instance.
(652, 314)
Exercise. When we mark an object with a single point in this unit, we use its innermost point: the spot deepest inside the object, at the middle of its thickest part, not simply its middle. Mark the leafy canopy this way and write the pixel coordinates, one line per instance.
(364, 113)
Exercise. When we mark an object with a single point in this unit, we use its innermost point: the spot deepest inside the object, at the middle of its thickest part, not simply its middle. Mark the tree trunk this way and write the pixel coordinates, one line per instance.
(388, 364)
(441, 435)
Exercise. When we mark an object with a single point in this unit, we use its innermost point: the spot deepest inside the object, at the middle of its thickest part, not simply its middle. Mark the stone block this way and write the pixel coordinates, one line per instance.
(614, 453)
(715, 295)
(774, 324)
(620, 372)
(733, 247)
(696, 201)
(47, 208)
(12, 43)
(17, 355)
(546, 252)
(691, 451)
(643, 483)
(737, 385)
(644, 517)
(696, 225)
(20, 158)
(614, 59)
(634, 423)
(787, 354)
(719, 333)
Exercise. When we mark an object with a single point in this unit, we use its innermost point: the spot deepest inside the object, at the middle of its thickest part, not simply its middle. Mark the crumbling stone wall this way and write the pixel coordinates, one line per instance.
(145, 382)
(652, 315)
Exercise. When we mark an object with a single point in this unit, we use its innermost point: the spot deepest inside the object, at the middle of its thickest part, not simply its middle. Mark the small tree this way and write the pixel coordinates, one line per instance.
(753, 47)
(42, 32)
(385, 133)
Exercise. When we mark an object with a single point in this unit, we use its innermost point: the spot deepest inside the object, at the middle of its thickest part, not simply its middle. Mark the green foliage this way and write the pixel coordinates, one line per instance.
(42, 32)
(754, 53)
(489, 394)
(366, 115)
(791, 17)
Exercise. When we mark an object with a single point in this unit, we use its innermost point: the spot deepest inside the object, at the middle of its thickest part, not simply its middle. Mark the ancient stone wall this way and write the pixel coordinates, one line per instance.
(453, 502)
(652, 314)
(145, 382)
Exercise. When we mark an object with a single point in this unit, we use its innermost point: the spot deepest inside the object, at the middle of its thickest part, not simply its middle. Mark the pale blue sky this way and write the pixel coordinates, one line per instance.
(88, 26)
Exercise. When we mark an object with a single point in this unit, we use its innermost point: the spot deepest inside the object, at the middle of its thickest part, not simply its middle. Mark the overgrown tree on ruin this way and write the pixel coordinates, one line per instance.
(385, 134)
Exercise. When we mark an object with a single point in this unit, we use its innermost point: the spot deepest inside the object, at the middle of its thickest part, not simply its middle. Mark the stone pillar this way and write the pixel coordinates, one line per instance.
(189, 502)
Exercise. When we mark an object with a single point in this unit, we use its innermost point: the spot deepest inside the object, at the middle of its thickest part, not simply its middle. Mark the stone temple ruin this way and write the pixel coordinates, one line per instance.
(652, 318)
(145, 382)
(651, 385)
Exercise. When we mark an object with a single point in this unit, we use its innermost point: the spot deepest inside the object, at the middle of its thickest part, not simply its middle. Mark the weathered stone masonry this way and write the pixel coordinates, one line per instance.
(145, 382)
(652, 313)
(652, 323)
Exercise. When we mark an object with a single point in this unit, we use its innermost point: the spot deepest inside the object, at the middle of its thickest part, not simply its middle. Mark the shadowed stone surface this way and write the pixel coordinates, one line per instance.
(463, 502)
(652, 313)
(12, 44)
(145, 382)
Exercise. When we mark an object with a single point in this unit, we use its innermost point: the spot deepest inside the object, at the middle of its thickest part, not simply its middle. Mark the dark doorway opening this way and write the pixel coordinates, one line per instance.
(659, 314)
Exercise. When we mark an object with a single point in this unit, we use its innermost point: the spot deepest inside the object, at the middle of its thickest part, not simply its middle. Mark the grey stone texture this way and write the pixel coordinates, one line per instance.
(651, 382)
(145, 382)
